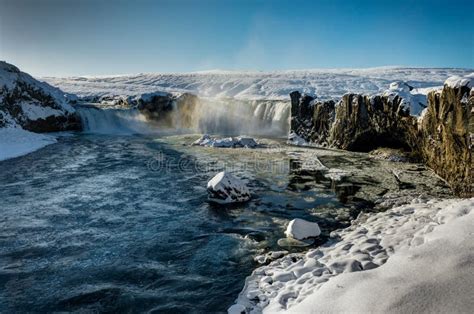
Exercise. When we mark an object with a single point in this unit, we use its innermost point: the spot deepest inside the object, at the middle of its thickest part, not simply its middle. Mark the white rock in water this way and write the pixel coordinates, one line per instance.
(301, 229)
(236, 309)
(224, 188)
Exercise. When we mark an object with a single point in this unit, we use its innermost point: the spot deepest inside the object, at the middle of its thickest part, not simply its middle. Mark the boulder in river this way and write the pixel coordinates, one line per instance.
(302, 229)
(224, 188)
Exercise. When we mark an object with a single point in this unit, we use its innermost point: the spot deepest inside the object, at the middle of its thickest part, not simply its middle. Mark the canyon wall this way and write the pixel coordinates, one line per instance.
(442, 137)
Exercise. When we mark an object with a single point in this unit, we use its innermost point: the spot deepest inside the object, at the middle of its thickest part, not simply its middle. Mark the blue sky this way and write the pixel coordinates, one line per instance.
(60, 37)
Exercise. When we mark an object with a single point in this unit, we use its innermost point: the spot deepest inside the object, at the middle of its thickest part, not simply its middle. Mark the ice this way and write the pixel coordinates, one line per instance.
(15, 142)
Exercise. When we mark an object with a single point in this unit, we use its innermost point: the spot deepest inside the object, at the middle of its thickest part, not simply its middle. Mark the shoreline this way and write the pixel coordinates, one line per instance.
(378, 252)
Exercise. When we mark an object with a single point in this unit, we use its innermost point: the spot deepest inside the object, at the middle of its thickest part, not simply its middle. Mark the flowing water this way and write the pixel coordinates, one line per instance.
(116, 223)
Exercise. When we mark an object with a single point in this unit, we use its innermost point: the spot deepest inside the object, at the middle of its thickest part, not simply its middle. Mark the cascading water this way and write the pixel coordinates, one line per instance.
(213, 116)
(112, 121)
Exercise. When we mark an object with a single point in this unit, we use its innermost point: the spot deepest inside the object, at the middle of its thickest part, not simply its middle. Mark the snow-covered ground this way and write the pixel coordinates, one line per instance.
(15, 142)
(325, 83)
(414, 258)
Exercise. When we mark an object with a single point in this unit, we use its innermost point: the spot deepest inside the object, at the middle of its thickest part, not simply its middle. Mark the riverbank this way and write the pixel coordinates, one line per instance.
(412, 258)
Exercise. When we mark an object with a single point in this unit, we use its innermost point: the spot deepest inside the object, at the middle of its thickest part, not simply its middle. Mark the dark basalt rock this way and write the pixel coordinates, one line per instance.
(24, 93)
(364, 123)
(311, 120)
(156, 106)
(442, 138)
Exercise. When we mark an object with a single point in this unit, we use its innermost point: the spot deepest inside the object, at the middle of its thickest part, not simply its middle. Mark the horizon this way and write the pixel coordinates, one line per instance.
(110, 38)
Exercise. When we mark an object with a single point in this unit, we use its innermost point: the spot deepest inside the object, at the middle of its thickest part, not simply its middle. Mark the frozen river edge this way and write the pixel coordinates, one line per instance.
(415, 257)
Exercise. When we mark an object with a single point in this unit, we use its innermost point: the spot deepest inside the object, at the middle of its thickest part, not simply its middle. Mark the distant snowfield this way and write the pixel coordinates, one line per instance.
(325, 83)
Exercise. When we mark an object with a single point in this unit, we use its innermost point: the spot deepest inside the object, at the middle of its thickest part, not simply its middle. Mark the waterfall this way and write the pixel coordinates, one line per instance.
(214, 116)
(112, 121)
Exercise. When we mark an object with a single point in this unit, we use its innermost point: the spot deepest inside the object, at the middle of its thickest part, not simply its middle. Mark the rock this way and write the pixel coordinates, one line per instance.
(227, 142)
(447, 130)
(290, 242)
(310, 120)
(236, 309)
(441, 137)
(202, 141)
(224, 188)
(33, 105)
(294, 139)
(246, 142)
(300, 229)
(390, 154)
(269, 257)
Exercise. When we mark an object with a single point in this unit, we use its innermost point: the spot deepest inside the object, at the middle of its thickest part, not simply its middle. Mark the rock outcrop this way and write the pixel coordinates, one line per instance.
(33, 105)
(311, 120)
(442, 137)
(446, 136)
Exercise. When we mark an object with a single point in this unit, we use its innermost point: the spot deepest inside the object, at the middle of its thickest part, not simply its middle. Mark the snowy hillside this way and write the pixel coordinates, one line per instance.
(27, 104)
(326, 83)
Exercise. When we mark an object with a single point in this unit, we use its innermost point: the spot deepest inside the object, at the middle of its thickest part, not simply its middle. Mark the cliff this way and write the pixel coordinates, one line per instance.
(33, 105)
(441, 137)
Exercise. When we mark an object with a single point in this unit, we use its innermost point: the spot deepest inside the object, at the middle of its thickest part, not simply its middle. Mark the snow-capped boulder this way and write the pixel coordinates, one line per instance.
(225, 188)
(301, 229)
(35, 106)
(226, 142)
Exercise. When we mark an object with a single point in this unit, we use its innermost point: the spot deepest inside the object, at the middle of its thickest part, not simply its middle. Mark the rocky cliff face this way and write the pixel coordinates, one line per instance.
(311, 119)
(33, 105)
(446, 131)
(442, 137)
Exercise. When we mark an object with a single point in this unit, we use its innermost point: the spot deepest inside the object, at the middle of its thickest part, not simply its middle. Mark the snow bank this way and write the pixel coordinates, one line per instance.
(414, 99)
(412, 258)
(458, 81)
(15, 142)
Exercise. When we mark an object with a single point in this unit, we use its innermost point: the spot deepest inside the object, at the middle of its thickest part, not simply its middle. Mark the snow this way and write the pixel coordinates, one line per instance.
(295, 139)
(225, 188)
(414, 99)
(15, 142)
(458, 81)
(35, 112)
(10, 76)
(411, 258)
(326, 83)
(301, 229)
(227, 142)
